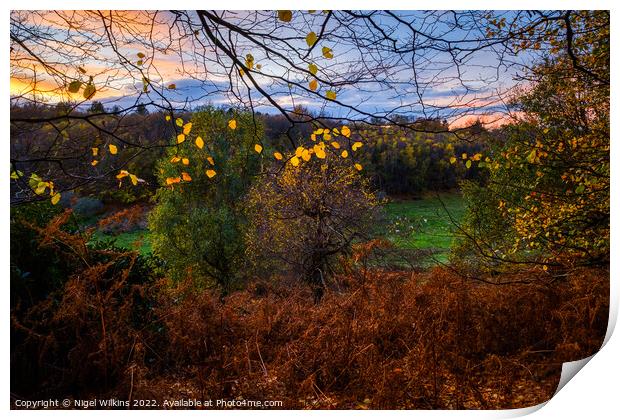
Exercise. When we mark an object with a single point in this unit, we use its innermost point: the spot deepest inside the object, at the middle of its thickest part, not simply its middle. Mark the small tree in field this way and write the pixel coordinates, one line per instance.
(198, 223)
(308, 214)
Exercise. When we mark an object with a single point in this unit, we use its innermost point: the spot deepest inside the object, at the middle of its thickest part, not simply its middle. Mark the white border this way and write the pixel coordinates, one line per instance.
(592, 394)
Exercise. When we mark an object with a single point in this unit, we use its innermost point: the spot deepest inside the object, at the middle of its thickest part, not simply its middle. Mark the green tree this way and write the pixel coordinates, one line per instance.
(198, 223)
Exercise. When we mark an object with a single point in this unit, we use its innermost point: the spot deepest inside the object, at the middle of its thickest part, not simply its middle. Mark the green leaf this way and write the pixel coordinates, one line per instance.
(468, 164)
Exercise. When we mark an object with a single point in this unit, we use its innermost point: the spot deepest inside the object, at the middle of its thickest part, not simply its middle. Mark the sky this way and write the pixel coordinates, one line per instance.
(187, 61)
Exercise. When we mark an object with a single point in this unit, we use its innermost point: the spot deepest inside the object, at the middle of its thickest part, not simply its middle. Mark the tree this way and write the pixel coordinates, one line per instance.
(198, 224)
(546, 203)
(306, 216)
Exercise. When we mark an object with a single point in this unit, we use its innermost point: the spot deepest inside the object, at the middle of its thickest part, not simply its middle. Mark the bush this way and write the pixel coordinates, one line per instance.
(198, 225)
(304, 218)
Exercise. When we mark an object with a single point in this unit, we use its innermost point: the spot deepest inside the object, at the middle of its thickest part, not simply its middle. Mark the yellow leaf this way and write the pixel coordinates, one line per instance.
(187, 128)
(186, 176)
(172, 86)
(74, 87)
(345, 131)
(319, 151)
(94, 162)
(55, 198)
(185, 161)
(232, 124)
(295, 161)
(313, 137)
(134, 179)
(327, 136)
(306, 155)
(313, 68)
(477, 156)
(113, 149)
(330, 94)
(258, 148)
(344, 154)
(468, 164)
(171, 180)
(358, 166)
(277, 155)
(452, 159)
(464, 156)
(211, 173)
(299, 151)
(168, 117)
(285, 15)
(200, 142)
(311, 39)
(179, 122)
(356, 145)
(95, 151)
(180, 138)
(335, 145)
(140, 55)
(122, 174)
(175, 159)
(89, 91)
(210, 160)
(327, 53)
(313, 84)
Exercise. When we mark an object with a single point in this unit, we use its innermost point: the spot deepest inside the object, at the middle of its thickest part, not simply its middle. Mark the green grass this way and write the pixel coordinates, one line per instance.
(412, 225)
(424, 224)
(136, 240)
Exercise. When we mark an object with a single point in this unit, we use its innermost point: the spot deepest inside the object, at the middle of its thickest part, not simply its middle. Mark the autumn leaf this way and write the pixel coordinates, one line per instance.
(210, 160)
(168, 117)
(175, 159)
(344, 154)
(232, 124)
(327, 53)
(94, 162)
(305, 155)
(285, 15)
(187, 128)
(74, 87)
(134, 179)
(179, 122)
(113, 149)
(356, 145)
(313, 68)
(258, 148)
(295, 161)
(186, 176)
(200, 142)
(319, 151)
(452, 160)
(95, 151)
(55, 198)
(185, 161)
(211, 173)
(172, 86)
(330, 94)
(89, 91)
(180, 138)
(140, 55)
(468, 164)
(313, 84)
(345, 131)
(311, 39)
(277, 155)
(358, 166)
(335, 145)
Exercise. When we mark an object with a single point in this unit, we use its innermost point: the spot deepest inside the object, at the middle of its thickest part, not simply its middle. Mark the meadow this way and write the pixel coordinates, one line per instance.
(424, 226)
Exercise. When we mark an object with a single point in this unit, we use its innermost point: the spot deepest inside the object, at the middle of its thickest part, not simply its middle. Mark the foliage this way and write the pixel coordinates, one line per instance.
(547, 198)
(306, 215)
(198, 225)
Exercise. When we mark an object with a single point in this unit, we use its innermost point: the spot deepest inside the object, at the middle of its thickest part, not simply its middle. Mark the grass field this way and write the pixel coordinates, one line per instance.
(412, 225)
(425, 224)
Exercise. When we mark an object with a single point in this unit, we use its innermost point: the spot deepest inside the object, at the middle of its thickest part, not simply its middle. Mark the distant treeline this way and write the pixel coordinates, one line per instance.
(405, 159)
